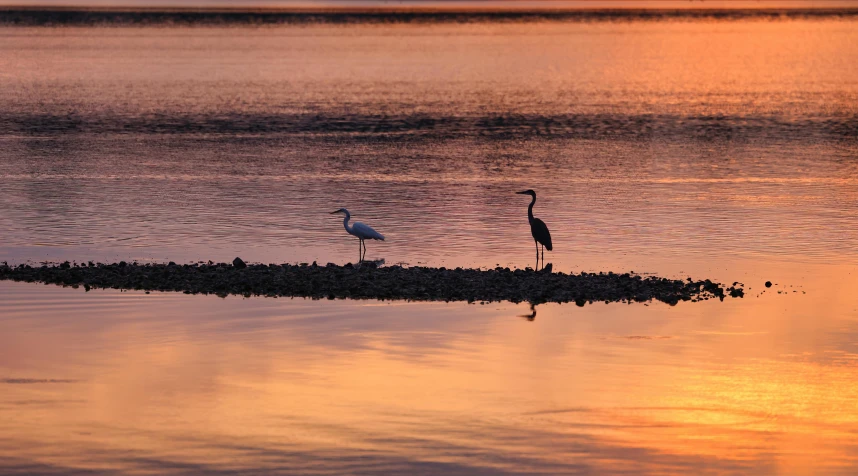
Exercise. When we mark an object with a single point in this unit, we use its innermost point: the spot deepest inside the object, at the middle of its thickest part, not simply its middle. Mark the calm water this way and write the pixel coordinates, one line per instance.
(712, 149)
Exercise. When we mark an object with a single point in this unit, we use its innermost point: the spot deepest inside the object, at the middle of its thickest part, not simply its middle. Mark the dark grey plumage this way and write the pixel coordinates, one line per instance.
(538, 228)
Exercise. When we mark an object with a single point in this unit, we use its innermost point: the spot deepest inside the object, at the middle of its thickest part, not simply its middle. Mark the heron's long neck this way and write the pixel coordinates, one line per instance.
(530, 209)
(346, 222)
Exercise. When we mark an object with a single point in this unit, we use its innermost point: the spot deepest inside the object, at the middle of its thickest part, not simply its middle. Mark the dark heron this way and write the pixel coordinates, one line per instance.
(540, 233)
(532, 315)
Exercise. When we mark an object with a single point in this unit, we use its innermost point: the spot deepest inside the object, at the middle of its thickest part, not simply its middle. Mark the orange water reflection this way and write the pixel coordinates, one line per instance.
(170, 383)
(642, 138)
(133, 383)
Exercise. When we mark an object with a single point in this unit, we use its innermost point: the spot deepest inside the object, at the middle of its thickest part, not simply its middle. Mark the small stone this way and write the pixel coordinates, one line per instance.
(768, 284)
(239, 263)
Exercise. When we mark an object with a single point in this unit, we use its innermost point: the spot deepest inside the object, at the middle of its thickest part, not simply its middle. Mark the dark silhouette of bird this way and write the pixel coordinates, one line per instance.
(532, 315)
(538, 229)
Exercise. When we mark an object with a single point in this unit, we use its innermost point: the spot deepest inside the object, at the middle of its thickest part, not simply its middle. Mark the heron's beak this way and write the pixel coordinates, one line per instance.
(335, 212)
(520, 193)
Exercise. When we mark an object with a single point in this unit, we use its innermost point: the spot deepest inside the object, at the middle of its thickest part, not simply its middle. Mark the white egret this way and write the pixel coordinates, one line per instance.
(361, 231)
(538, 229)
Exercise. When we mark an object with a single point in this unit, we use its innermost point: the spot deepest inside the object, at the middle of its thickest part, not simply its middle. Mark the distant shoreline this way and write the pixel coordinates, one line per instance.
(55, 16)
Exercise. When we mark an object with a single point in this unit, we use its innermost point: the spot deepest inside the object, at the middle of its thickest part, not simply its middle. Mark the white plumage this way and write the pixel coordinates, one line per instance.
(365, 232)
(360, 230)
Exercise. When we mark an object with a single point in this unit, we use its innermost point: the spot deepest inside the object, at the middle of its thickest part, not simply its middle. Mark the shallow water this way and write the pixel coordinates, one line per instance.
(178, 384)
(712, 149)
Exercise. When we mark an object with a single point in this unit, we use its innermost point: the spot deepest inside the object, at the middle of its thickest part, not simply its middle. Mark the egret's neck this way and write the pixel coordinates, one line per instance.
(530, 209)
(346, 222)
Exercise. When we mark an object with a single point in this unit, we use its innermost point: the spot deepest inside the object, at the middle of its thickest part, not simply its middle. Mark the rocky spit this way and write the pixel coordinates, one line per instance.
(369, 281)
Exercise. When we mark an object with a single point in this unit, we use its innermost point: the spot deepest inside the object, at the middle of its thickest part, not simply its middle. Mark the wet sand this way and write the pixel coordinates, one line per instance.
(369, 281)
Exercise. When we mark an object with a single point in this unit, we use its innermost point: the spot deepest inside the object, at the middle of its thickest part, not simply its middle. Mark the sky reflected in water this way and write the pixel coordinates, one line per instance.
(712, 149)
(125, 381)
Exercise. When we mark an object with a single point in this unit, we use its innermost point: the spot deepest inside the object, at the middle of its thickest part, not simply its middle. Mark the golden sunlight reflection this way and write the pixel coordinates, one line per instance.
(676, 140)
(143, 385)
(719, 149)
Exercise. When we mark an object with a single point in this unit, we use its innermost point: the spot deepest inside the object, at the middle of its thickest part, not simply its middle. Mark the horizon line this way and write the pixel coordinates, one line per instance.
(458, 6)
(411, 9)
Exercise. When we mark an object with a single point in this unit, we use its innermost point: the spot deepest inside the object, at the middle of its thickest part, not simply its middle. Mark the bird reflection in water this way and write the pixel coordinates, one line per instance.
(532, 314)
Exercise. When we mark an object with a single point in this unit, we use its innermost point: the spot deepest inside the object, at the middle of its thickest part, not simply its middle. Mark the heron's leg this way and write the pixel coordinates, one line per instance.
(360, 251)
(364, 248)
(543, 256)
(535, 243)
